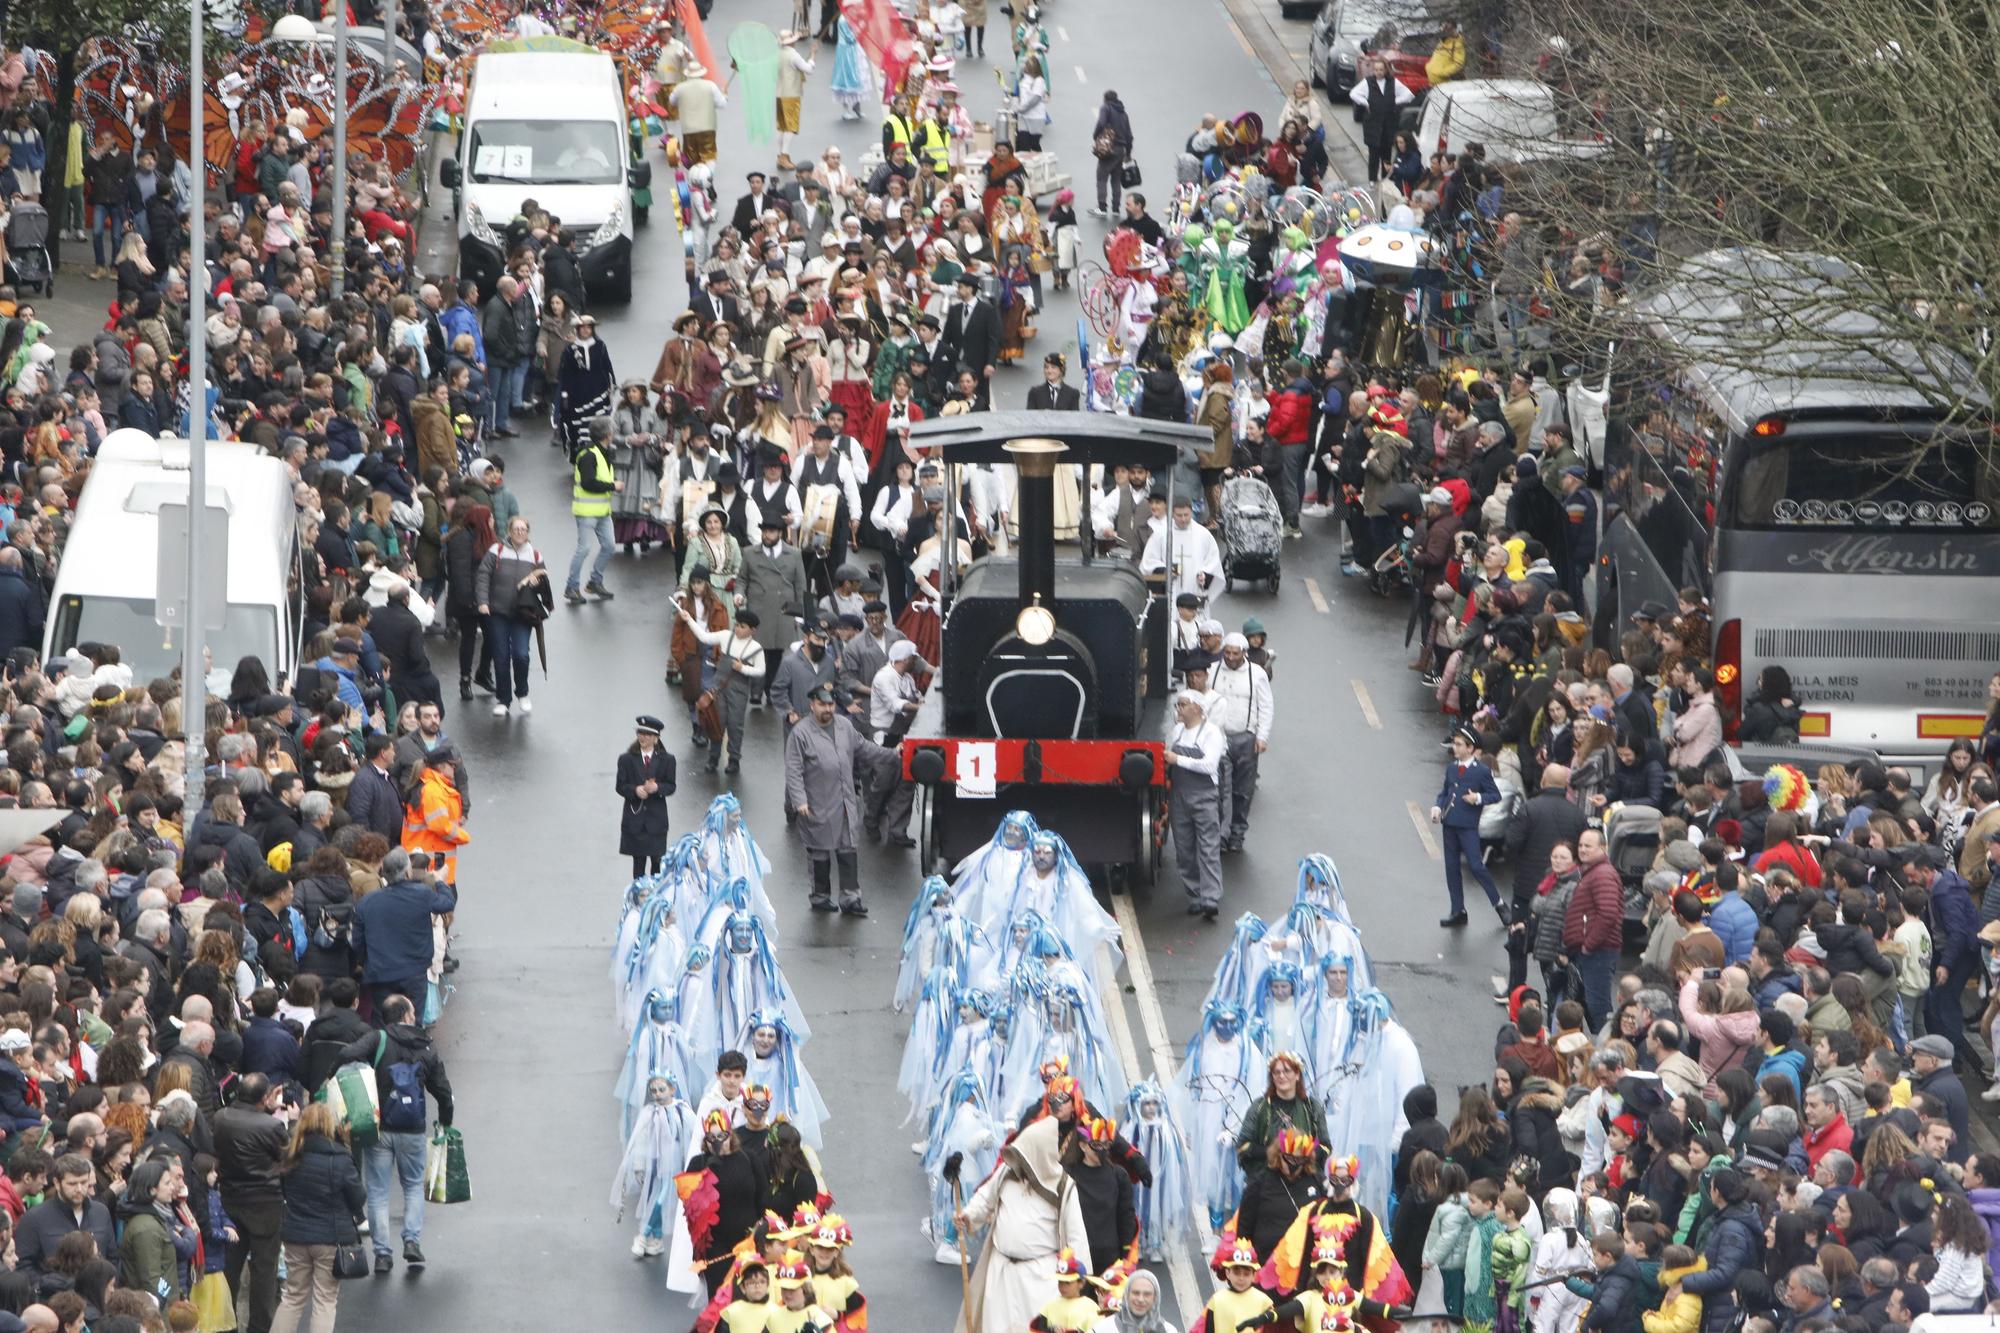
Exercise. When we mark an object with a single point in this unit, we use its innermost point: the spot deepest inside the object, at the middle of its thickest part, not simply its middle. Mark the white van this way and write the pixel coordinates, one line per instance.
(1514, 118)
(548, 126)
(109, 576)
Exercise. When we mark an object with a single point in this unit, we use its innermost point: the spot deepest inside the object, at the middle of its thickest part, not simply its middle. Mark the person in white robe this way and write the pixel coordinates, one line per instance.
(1030, 1205)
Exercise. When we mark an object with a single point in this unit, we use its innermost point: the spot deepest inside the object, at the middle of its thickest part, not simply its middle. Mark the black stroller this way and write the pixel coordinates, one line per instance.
(28, 261)
(1253, 532)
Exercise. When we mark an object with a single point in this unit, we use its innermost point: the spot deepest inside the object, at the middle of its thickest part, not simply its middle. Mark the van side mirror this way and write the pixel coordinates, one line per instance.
(639, 175)
(448, 173)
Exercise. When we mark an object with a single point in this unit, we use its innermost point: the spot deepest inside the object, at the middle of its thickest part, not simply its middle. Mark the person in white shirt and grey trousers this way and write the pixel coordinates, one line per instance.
(1242, 709)
(1195, 750)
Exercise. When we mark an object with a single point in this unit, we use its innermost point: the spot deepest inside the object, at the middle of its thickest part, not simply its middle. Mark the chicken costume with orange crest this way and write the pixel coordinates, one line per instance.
(1369, 1267)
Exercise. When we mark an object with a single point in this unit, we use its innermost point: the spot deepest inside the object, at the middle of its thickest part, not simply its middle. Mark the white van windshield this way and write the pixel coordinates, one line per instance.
(547, 152)
(248, 631)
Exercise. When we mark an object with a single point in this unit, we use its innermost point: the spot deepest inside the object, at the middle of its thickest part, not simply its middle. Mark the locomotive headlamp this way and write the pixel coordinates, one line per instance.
(1036, 624)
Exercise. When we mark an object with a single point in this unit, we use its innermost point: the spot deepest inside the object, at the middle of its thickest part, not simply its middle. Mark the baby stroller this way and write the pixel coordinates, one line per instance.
(1252, 532)
(1631, 842)
(1403, 503)
(28, 248)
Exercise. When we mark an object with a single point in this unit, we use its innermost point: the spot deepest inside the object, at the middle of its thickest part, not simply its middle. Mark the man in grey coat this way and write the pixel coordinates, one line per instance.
(821, 756)
(774, 586)
(805, 667)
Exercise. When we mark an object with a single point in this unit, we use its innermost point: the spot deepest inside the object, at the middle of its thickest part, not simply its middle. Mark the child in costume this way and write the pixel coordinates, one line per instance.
(1239, 1303)
(1482, 1198)
(1509, 1254)
(658, 1047)
(731, 853)
(1071, 1311)
(1162, 1205)
(662, 1139)
(797, 1311)
(752, 1307)
(962, 1129)
(775, 1062)
(835, 1289)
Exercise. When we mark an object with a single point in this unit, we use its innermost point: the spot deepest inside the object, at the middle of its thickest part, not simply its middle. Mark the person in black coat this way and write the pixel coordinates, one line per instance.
(399, 638)
(1103, 1194)
(560, 271)
(334, 1031)
(645, 780)
(1532, 1126)
(1272, 1198)
(1533, 830)
(1426, 1132)
(372, 799)
(1052, 395)
(1378, 101)
(323, 1202)
(972, 336)
(22, 609)
(739, 1195)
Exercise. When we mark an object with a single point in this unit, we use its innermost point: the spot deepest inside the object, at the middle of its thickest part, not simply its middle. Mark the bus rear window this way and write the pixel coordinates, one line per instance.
(1862, 482)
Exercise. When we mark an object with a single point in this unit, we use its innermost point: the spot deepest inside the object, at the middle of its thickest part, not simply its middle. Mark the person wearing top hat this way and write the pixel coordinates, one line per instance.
(774, 586)
(1052, 395)
(971, 334)
(716, 302)
(645, 780)
(584, 383)
(1468, 788)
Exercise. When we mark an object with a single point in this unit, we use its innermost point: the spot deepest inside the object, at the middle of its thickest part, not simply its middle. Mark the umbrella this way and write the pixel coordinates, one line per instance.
(1390, 257)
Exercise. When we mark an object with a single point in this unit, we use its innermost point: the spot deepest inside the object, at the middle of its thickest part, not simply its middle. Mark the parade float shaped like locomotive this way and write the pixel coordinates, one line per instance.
(1050, 696)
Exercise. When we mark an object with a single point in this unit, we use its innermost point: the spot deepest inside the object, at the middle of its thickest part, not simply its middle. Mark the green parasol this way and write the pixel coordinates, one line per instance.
(753, 53)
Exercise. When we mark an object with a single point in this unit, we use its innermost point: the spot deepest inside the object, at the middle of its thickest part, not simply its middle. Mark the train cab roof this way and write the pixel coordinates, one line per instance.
(1092, 437)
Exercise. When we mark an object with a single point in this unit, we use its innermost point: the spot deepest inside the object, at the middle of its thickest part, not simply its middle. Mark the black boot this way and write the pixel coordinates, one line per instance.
(465, 687)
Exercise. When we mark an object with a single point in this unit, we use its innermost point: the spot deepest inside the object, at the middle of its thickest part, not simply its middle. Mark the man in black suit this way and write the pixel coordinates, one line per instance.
(972, 335)
(1380, 96)
(750, 208)
(717, 302)
(1052, 395)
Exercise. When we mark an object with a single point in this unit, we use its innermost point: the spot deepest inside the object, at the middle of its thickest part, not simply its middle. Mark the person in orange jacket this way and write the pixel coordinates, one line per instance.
(434, 813)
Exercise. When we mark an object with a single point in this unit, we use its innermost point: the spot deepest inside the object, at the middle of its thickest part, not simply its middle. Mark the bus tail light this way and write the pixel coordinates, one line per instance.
(1729, 676)
(1768, 427)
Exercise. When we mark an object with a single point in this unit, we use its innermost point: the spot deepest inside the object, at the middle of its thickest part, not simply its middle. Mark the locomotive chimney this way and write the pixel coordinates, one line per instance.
(1035, 509)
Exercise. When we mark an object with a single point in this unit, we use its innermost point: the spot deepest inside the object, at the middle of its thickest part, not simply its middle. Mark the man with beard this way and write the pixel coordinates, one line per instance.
(821, 755)
(801, 671)
(1032, 1206)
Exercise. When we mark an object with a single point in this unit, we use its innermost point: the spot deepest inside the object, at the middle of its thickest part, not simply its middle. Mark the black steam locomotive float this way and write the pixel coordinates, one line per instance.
(1052, 690)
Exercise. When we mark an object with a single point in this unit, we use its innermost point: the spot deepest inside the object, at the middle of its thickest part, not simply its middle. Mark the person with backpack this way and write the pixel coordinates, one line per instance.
(406, 1067)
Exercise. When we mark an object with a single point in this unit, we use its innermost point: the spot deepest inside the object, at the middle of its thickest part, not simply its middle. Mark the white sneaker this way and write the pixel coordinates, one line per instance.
(527, 704)
(1312, 511)
(500, 710)
(655, 1247)
(639, 1247)
(1992, 1094)
(918, 1147)
(948, 1255)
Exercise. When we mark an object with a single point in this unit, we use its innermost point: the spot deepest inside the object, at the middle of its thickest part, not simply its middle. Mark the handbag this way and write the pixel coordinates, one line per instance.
(445, 1176)
(1128, 175)
(350, 1258)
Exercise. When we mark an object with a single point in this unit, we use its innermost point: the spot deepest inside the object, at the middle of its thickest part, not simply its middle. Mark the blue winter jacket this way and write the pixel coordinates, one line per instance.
(1789, 1062)
(1733, 1246)
(1954, 920)
(1735, 923)
(392, 929)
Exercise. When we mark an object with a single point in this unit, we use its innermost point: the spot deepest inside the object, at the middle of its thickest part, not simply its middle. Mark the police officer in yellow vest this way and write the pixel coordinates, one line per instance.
(592, 484)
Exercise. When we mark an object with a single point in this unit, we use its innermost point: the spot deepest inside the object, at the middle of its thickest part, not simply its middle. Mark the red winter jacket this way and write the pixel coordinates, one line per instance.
(1290, 415)
(1595, 920)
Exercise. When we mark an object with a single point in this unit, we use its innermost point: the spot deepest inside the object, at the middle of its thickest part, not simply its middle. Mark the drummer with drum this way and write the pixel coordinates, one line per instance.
(830, 498)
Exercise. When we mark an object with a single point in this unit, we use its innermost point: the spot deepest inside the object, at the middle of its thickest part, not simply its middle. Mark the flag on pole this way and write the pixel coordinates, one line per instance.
(753, 53)
(880, 30)
(697, 37)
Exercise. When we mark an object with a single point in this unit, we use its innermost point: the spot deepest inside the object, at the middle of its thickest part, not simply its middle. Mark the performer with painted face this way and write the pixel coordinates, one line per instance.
(730, 852)
(743, 979)
(662, 1139)
(1276, 1013)
(1340, 1219)
(1362, 1092)
(985, 878)
(773, 1051)
(964, 1141)
(659, 1048)
(1164, 1204)
(1216, 1091)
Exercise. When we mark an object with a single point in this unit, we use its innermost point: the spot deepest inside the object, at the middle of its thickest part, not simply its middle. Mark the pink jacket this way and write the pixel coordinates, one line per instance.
(1725, 1038)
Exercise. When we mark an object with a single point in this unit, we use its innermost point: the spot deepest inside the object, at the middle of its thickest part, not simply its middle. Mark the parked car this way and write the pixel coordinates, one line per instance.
(1403, 30)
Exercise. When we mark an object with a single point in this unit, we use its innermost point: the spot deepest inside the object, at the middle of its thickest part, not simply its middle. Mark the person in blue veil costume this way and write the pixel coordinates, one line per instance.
(658, 1046)
(1165, 1205)
(1220, 1077)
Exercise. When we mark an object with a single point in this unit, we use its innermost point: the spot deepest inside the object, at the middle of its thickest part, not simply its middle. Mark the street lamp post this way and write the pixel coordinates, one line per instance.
(193, 668)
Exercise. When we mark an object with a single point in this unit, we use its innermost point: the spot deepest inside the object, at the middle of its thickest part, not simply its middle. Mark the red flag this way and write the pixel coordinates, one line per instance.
(882, 35)
(697, 39)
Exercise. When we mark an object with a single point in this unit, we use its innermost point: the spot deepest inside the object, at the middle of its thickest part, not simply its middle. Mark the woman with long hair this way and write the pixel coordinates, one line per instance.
(1946, 798)
(1477, 1139)
(1590, 767)
(469, 537)
(1285, 1105)
(1959, 1241)
(1863, 1224)
(324, 1202)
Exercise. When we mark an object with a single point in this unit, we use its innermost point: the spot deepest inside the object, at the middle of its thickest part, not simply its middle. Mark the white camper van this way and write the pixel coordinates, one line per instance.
(109, 577)
(548, 126)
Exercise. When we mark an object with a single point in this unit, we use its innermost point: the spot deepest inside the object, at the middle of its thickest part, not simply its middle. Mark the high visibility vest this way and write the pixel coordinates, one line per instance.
(933, 146)
(589, 504)
(899, 129)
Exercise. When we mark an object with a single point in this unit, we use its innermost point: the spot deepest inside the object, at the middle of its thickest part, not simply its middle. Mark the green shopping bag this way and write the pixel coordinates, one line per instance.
(445, 1177)
(352, 1096)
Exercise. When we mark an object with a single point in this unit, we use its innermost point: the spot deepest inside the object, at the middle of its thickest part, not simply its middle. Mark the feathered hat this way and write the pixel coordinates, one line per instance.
(1297, 1143)
(1069, 1268)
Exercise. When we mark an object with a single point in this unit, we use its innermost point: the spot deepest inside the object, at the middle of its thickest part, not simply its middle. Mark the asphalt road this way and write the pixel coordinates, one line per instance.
(529, 1036)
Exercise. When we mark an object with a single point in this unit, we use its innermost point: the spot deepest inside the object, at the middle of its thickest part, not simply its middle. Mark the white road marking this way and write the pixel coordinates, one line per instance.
(1422, 819)
(1187, 1293)
(1367, 704)
(1062, 32)
(1080, 76)
(1318, 597)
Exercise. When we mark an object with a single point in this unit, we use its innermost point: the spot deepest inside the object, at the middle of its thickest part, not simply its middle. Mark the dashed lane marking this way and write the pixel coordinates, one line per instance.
(1080, 75)
(1318, 597)
(1187, 1293)
(1422, 819)
(1361, 697)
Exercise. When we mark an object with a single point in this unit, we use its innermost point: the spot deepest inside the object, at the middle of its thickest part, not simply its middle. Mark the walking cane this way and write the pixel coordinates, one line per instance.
(964, 1263)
